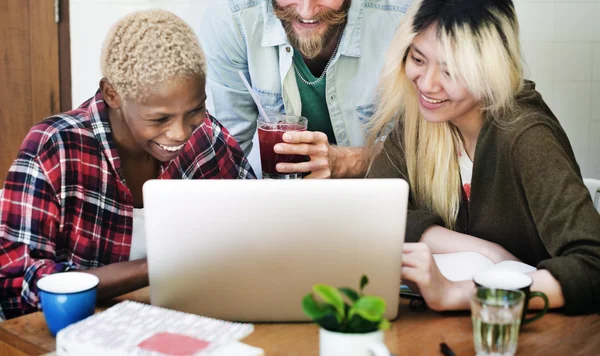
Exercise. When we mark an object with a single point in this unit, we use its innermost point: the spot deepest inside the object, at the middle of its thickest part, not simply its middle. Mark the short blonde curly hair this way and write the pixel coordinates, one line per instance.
(149, 47)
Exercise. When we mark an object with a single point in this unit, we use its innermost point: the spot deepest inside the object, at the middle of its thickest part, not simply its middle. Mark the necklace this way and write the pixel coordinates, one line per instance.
(319, 79)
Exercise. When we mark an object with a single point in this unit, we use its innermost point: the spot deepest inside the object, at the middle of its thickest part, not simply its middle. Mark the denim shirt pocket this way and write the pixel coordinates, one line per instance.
(271, 101)
(365, 112)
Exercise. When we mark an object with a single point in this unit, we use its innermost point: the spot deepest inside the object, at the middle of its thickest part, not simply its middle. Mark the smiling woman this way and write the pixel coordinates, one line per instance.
(69, 198)
(489, 166)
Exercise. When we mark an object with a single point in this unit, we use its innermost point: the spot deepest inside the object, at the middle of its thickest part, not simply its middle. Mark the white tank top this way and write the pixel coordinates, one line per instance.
(138, 236)
(466, 170)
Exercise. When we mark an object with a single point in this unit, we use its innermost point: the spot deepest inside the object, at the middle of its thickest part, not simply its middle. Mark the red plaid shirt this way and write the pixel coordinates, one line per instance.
(65, 204)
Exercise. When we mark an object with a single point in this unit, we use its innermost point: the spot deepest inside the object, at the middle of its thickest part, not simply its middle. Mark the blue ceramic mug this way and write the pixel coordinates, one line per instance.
(67, 298)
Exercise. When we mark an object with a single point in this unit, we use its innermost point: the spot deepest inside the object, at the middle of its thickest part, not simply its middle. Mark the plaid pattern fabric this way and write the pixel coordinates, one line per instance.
(65, 204)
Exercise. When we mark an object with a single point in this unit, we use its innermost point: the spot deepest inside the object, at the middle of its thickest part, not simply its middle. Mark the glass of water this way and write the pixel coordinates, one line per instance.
(496, 316)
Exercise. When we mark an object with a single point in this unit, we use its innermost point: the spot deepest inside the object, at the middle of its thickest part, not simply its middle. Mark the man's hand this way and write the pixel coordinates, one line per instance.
(325, 160)
(307, 143)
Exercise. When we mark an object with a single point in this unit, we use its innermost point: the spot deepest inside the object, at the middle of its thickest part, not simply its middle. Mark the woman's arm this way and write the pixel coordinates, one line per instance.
(120, 278)
(544, 282)
(459, 293)
(564, 216)
(442, 240)
(420, 272)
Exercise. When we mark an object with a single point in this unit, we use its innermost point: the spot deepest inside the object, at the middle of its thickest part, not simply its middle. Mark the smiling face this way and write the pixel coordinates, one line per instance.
(441, 98)
(311, 24)
(163, 121)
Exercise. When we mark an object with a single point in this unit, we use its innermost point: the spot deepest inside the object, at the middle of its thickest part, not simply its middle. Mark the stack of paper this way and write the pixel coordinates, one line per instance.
(131, 328)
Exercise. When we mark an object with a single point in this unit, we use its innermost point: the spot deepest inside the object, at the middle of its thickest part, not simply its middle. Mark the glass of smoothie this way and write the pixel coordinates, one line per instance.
(270, 133)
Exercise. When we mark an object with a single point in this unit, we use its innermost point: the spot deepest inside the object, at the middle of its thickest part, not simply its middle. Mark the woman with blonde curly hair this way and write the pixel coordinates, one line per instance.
(71, 197)
(489, 166)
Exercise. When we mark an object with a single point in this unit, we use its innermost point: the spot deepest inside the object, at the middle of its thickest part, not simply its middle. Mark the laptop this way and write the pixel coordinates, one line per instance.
(250, 250)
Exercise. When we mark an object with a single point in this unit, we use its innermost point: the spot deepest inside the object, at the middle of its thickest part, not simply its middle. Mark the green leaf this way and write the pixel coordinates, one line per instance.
(385, 324)
(313, 309)
(332, 297)
(350, 293)
(330, 322)
(369, 307)
(364, 280)
(323, 314)
(359, 325)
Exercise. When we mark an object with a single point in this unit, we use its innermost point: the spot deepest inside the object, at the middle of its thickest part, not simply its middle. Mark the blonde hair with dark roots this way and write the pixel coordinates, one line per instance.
(480, 43)
(150, 47)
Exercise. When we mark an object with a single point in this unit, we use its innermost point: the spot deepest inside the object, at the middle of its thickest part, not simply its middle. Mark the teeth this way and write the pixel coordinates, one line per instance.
(171, 148)
(433, 101)
(308, 21)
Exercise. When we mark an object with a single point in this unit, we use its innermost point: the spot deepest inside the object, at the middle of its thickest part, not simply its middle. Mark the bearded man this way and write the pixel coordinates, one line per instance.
(320, 59)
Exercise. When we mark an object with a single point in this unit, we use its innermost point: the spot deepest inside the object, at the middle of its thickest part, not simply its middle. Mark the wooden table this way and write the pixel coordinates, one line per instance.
(415, 332)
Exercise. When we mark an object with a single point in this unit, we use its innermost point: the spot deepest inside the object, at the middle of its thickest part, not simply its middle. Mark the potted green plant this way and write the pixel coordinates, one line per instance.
(352, 323)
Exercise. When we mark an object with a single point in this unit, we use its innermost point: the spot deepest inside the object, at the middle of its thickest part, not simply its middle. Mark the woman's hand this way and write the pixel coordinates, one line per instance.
(420, 273)
(312, 144)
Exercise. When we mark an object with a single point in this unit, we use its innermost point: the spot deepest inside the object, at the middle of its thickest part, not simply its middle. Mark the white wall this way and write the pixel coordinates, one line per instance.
(561, 43)
(88, 32)
(91, 20)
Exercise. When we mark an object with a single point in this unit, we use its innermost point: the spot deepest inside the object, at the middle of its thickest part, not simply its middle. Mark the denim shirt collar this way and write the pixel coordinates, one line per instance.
(274, 34)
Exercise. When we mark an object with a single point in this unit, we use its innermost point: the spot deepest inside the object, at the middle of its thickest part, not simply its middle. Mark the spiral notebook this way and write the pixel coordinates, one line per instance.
(131, 328)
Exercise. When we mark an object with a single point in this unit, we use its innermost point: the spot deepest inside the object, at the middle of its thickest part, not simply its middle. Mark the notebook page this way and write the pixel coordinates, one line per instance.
(461, 266)
(514, 266)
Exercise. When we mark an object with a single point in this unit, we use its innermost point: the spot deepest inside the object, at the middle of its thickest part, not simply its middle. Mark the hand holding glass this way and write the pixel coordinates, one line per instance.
(270, 133)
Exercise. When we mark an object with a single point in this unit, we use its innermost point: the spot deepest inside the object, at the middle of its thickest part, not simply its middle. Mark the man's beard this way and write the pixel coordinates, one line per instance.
(311, 44)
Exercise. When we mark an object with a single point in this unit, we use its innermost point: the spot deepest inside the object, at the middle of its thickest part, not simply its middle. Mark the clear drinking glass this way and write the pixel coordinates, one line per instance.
(270, 133)
(496, 316)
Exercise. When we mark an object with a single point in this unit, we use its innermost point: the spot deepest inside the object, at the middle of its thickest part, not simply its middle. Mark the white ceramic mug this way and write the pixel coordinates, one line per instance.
(336, 344)
(511, 280)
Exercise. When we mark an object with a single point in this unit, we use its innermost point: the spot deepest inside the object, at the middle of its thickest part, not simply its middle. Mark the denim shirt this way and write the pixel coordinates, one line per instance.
(246, 35)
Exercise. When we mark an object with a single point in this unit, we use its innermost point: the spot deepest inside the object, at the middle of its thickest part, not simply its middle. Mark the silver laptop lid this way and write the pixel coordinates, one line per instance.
(250, 250)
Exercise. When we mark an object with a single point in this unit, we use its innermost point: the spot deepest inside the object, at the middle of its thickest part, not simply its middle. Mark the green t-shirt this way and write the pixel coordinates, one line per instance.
(314, 104)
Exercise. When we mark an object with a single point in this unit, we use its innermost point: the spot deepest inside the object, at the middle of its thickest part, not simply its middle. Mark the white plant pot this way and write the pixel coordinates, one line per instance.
(336, 344)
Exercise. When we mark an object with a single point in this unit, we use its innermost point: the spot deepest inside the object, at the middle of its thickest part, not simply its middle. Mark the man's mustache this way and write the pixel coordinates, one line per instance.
(333, 17)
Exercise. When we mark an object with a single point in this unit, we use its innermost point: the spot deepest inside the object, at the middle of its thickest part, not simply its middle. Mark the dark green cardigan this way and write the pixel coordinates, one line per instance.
(526, 195)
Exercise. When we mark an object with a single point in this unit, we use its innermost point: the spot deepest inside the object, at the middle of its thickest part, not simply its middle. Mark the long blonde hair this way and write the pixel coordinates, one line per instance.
(480, 42)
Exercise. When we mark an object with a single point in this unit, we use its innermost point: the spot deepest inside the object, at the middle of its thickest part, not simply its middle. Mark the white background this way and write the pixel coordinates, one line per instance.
(561, 43)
